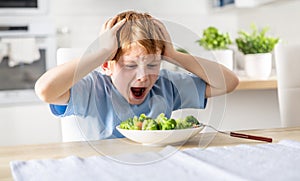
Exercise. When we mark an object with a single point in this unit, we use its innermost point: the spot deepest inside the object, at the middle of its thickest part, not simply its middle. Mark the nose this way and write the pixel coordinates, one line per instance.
(142, 74)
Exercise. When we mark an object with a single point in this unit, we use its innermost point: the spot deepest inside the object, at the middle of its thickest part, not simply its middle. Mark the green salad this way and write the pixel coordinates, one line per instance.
(161, 122)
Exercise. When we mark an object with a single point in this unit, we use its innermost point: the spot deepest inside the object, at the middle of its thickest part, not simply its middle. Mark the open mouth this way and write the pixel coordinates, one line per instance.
(138, 92)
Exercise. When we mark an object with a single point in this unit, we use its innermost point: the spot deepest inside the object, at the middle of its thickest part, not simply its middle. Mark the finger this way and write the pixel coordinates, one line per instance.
(105, 25)
(162, 29)
(112, 21)
(118, 25)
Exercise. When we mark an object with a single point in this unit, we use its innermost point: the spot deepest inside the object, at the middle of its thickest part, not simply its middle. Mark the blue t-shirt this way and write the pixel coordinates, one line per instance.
(97, 100)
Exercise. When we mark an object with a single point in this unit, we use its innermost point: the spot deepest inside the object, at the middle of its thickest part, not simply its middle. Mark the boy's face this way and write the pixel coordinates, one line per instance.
(135, 73)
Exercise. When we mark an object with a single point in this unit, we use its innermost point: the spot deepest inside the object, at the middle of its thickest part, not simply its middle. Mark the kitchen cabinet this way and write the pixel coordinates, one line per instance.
(22, 124)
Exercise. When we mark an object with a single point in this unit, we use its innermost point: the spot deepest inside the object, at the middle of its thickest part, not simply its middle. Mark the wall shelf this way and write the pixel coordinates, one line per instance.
(254, 84)
(257, 84)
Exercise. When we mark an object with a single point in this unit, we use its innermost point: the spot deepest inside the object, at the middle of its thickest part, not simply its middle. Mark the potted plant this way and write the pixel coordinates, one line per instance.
(218, 43)
(257, 48)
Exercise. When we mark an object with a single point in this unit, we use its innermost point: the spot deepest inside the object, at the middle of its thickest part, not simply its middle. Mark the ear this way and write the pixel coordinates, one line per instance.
(107, 68)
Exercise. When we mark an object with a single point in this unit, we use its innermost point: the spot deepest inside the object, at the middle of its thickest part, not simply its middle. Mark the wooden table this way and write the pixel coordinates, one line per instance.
(120, 146)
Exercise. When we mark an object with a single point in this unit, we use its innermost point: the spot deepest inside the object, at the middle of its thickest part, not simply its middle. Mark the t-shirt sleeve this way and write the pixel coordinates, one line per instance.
(58, 110)
(190, 90)
(80, 96)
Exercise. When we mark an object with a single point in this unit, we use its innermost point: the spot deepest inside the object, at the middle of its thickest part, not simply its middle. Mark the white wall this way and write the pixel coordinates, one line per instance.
(86, 17)
(247, 109)
(282, 17)
(251, 109)
(33, 123)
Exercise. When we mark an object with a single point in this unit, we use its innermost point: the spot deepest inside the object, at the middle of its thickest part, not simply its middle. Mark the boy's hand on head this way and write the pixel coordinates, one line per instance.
(169, 49)
(108, 36)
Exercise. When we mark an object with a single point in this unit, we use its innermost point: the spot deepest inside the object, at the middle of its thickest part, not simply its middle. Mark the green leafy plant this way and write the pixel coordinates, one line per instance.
(212, 39)
(256, 41)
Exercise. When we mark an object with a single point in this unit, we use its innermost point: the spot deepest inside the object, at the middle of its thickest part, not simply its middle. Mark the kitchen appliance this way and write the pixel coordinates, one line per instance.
(23, 7)
(17, 82)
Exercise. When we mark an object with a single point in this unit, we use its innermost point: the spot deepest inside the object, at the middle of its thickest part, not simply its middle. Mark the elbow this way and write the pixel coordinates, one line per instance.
(232, 84)
(41, 90)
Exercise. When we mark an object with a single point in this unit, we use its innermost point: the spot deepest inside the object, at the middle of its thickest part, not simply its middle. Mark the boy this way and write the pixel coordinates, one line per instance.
(130, 50)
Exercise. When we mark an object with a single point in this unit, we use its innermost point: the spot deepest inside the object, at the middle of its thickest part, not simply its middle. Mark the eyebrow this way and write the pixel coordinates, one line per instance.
(134, 61)
(155, 61)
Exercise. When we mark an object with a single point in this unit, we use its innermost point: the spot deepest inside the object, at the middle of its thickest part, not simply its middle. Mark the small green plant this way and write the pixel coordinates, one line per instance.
(256, 41)
(212, 39)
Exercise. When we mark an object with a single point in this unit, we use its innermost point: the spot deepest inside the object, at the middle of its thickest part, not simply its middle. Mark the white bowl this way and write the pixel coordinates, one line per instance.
(160, 137)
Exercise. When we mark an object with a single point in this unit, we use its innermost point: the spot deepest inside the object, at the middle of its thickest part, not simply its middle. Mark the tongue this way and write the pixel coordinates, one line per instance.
(137, 92)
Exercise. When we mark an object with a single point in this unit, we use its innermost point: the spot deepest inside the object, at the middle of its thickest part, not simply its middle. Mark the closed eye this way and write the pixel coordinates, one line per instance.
(130, 66)
(152, 65)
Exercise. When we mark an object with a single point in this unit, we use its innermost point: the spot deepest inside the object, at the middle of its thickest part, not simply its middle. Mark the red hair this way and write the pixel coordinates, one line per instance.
(139, 28)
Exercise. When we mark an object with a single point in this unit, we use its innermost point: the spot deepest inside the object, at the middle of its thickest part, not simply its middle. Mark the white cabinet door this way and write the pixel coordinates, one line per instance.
(28, 124)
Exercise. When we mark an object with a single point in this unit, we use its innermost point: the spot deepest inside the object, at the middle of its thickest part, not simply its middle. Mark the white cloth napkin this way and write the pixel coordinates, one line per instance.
(21, 50)
(279, 161)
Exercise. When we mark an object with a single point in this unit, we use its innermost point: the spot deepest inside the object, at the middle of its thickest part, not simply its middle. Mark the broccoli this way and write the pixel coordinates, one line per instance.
(192, 120)
(164, 123)
(150, 124)
(142, 117)
(132, 124)
(188, 122)
(127, 124)
(160, 123)
(182, 124)
(168, 124)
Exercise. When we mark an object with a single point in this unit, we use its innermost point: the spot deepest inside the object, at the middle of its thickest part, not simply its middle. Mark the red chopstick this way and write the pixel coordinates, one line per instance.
(246, 136)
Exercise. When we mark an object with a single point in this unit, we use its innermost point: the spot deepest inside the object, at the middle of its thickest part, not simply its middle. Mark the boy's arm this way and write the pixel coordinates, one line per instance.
(218, 78)
(54, 85)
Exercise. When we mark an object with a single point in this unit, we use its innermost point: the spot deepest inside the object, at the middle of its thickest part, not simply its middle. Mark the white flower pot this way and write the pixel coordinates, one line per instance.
(224, 57)
(258, 66)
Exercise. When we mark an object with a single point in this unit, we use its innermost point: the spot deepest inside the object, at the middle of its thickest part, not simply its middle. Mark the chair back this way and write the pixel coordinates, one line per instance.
(74, 128)
(287, 59)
